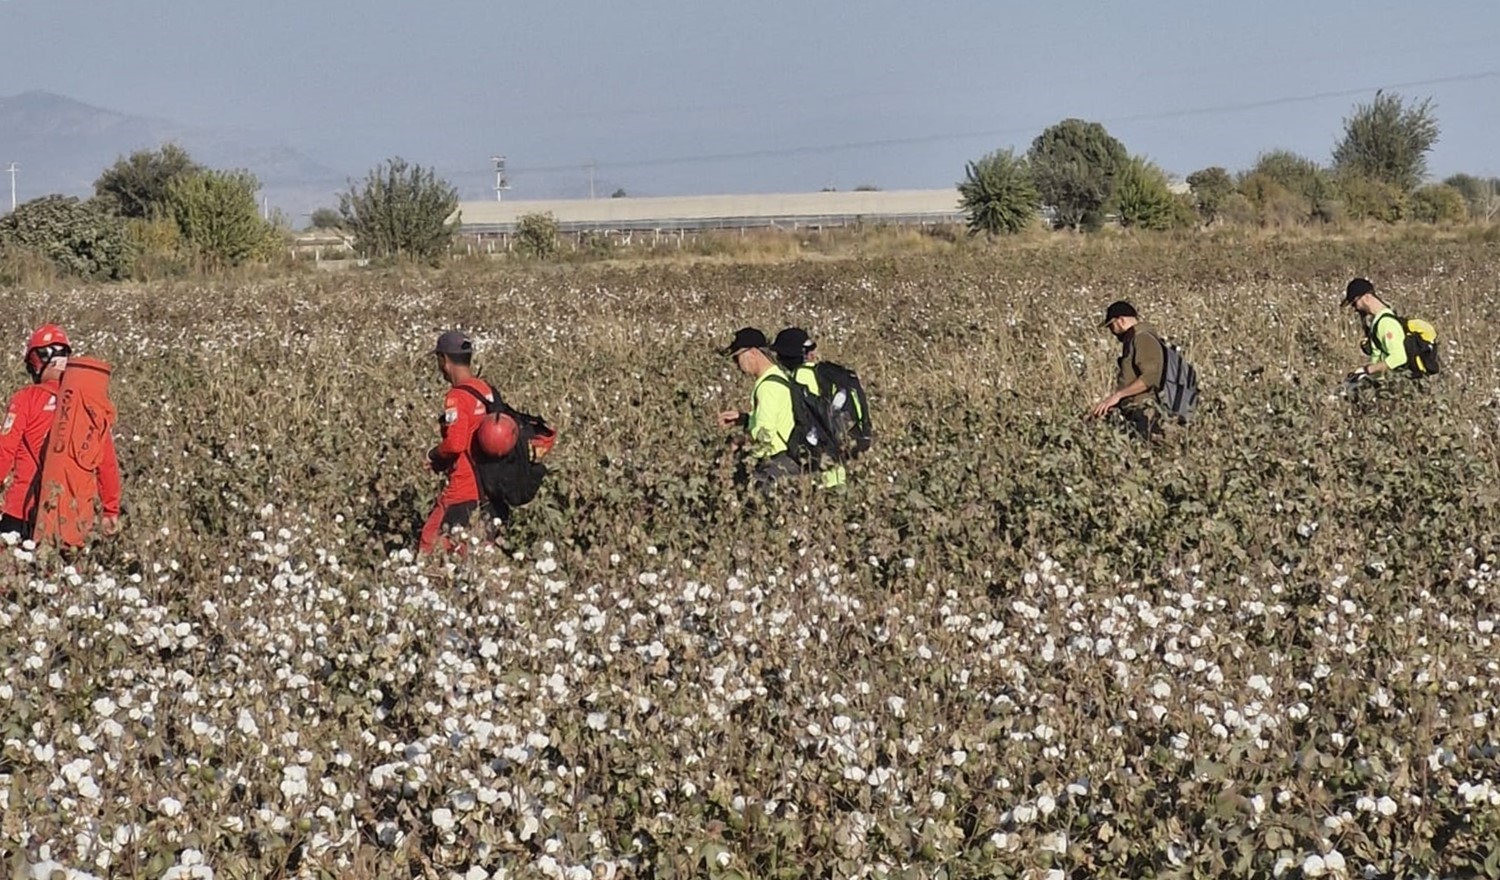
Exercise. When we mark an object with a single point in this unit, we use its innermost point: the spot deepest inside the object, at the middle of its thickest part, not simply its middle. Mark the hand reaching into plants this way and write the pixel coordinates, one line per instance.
(729, 417)
(110, 525)
(1102, 408)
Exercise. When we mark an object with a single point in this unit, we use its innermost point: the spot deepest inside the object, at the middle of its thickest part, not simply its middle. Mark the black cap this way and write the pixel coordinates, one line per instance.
(453, 342)
(1356, 289)
(792, 344)
(1119, 309)
(745, 337)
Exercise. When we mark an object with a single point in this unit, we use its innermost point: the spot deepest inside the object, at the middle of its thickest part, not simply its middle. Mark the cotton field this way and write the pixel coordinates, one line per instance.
(1017, 645)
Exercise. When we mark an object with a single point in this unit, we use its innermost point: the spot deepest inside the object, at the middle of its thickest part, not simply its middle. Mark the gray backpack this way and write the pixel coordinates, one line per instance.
(1179, 383)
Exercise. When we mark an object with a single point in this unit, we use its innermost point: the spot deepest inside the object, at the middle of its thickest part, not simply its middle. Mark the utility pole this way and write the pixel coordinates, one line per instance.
(501, 184)
(592, 166)
(12, 170)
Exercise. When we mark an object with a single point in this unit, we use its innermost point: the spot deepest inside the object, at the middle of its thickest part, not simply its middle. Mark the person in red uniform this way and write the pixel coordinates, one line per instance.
(23, 438)
(462, 412)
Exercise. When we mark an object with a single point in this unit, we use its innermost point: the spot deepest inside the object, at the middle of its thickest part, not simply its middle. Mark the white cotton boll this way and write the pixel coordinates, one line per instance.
(170, 807)
(477, 873)
(442, 817)
(1385, 806)
(897, 706)
(938, 799)
(1365, 804)
(1313, 866)
(854, 773)
(597, 721)
(1333, 860)
(1046, 804)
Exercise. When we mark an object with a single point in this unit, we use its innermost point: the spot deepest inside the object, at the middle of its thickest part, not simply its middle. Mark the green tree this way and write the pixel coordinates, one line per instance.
(219, 220)
(401, 210)
(1143, 198)
(1439, 203)
(80, 238)
(1074, 164)
(326, 218)
(998, 194)
(136, 185)
(1211, 188)
(1388, 140)
(536, 235)
(619, 193)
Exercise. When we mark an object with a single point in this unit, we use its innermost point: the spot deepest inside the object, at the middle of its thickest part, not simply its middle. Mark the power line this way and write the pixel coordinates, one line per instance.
(814, 149)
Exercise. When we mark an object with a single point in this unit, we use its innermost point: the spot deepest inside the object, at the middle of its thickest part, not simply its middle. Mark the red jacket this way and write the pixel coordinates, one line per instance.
(462, 413)
(23, 438)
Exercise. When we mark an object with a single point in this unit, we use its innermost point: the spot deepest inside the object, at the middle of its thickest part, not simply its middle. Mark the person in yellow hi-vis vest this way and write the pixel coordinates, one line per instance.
(796, 354)
(771, 418)
(1385, 335)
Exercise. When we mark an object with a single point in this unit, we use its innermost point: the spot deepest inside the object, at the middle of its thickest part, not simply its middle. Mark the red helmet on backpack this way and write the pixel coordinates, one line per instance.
(49, 341)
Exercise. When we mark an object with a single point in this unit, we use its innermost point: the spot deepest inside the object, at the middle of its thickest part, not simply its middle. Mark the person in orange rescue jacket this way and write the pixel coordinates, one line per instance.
(463, 409)
(23, 438)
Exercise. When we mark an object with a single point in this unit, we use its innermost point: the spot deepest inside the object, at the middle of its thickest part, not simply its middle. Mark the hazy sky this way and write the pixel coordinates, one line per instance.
(779, 95)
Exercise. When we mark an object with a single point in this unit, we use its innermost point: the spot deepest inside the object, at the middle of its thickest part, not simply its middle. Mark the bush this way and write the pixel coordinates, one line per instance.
(1439, 203)
(157, 247)
(401, 210)
(1272, 203)
(81, 239)
(137, 185)
(1367, 199)
(218, 219)
(998, 194)
(1074, 164)
(326, 218)
(536, 235)
(1211, 187)
(1144, 200)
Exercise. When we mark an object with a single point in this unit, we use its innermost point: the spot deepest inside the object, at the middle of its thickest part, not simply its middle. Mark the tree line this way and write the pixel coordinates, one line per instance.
(159, 212)
(1079, 176)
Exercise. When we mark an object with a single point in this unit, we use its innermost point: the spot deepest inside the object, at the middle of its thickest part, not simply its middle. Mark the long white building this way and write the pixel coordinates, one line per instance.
(780, 210)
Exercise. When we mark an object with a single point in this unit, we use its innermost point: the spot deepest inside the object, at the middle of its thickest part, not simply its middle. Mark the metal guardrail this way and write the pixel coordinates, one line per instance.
(705, 224)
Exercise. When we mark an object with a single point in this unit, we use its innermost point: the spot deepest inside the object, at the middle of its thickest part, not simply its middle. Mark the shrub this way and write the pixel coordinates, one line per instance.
(1210, 187)
(1272, 203)
(81, 239)
(1365, 198)
(536, 235)
(1143, 199)
(998, 194)
(401, 210)
(1439, 203)
(216, 214)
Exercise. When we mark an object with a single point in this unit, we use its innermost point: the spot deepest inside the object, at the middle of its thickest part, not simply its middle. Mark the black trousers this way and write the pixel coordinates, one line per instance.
(10, 524)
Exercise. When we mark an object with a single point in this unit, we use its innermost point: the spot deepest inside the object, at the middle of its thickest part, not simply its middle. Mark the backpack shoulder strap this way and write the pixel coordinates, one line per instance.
(494, 400)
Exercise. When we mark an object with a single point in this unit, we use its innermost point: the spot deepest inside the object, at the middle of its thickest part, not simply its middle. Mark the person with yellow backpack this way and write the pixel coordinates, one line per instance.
(1392, 342)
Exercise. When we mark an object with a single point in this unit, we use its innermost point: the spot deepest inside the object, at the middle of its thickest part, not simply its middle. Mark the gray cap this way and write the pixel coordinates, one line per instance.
(453, 342)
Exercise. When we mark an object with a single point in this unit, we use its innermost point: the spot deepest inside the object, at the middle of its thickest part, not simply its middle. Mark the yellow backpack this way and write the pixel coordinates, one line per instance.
(1421, 347)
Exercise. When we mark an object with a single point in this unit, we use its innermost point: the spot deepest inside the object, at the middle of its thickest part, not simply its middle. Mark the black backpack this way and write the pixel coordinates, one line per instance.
(514, 478)
(812, 442)
(848, 408)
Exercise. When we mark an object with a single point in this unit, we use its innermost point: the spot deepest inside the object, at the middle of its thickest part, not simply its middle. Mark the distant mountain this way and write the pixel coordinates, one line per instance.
(61, 145)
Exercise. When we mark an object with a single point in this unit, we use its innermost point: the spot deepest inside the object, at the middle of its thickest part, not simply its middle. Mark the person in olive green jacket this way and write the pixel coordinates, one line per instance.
(770, 420)
(1385, 335)
(1138, 372)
